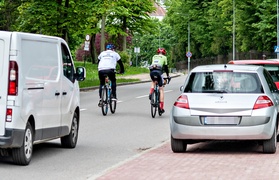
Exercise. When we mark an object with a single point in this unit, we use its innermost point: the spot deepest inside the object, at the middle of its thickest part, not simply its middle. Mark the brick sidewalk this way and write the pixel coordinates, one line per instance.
(198, 163)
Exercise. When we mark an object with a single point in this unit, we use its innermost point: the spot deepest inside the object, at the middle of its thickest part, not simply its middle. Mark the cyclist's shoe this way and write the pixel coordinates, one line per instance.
(162, 111)
(113, 98)
(149, 96)
(100, 104)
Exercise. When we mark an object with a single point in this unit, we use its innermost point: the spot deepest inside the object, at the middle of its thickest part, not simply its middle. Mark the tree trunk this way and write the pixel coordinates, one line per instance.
(124, 27)
(93, 49)
(65, 16)
(103, 33)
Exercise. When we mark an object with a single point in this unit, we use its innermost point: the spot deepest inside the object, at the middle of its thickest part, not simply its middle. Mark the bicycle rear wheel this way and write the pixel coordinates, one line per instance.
(153, 103)
(104, 101)
(112, 105)
(159, 109)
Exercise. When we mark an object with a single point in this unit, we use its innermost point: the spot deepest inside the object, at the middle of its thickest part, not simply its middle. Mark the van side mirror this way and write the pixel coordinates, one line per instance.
(80, 73)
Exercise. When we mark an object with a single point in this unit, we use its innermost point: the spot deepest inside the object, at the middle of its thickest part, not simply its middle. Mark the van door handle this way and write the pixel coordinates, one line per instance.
(57, 93)
(64, 93)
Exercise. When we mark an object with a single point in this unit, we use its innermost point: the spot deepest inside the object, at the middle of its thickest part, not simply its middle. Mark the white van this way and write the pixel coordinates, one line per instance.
(39, 94)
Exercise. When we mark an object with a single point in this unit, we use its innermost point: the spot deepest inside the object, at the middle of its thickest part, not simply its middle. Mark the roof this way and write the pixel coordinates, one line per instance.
(254, 62)
(219, 67)
(160, 11)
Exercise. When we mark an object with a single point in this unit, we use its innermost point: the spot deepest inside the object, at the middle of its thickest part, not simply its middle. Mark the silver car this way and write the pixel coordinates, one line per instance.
(226, 102)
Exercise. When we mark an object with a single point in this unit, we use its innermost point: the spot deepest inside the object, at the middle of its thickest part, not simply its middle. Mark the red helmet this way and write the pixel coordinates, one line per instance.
(161, 50)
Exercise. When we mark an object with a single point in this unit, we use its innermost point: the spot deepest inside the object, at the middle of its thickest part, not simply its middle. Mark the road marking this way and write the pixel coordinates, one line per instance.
(148, 95)
(83, 109)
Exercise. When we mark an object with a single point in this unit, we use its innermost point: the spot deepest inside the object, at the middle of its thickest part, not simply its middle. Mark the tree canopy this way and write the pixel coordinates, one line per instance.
(128, 25)
(211, 25)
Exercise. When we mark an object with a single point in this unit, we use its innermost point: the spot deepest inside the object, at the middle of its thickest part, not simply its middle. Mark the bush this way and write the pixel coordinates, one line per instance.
(92, 78)
(125, 57)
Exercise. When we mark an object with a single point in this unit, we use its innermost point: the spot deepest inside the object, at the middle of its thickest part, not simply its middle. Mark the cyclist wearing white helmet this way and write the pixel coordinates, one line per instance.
(158, 66)
(107, 62)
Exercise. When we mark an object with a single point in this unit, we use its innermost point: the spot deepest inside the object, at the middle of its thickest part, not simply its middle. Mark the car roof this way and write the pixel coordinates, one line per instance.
(227, 67)
(260, 62)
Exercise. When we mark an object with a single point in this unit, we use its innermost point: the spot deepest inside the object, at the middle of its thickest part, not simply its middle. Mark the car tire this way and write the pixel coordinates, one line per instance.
(70, 141)
(23, 155)
(178, 145)
(269, 146)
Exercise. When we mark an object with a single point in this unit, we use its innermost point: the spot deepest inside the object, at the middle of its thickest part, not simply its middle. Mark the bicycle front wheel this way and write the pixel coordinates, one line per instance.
(112, 105)
(104, 101)
(153, 103)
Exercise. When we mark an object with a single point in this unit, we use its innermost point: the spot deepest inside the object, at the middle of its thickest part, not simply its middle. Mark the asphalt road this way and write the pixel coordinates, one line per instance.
(104, 141)
(130, 144)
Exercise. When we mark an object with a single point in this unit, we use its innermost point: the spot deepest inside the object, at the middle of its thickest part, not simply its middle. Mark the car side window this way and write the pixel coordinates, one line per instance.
(269, 81)
(68, 67)
(190, 83)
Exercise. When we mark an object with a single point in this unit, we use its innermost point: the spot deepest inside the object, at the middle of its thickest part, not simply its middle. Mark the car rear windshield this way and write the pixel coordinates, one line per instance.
(224, 82)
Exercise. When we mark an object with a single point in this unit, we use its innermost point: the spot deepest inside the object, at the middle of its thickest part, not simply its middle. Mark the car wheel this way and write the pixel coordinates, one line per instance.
(269, 146)
(70, 141)
(23, 155)
(178, 145)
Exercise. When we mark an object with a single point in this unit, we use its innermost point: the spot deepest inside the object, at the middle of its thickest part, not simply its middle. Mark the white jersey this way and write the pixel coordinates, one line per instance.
(108, 60)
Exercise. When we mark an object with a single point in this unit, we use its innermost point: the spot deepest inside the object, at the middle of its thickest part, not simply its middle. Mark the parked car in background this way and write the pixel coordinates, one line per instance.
(226, 102)
(272, 67)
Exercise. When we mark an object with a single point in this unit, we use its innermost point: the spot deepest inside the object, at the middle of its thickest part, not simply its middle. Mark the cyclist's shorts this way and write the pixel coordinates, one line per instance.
(156, 75)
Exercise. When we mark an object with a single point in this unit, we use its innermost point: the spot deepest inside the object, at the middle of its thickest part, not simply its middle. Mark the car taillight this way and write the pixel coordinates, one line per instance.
(9, 115)
(182, 102)
(13, 78)
(262, 102)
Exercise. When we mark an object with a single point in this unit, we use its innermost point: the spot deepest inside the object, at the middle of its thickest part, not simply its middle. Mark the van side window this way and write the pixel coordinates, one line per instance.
(68, 67)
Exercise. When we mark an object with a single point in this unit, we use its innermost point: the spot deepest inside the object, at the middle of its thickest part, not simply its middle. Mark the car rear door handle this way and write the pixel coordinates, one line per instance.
(57, 93)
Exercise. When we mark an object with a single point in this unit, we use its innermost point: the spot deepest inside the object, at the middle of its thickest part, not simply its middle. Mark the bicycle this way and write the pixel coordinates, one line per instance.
(155, 99)
(106, 101)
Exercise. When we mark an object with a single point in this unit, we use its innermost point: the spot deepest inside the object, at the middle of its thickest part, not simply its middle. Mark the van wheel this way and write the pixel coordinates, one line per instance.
(70, 141)
(23, 155)
(269, 146)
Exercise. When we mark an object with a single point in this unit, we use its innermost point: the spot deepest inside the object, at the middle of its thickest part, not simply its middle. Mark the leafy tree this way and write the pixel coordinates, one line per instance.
(9, 13)
(264, 25)
(211, 25)
(150, 42)
(68, 19)
(129, 17)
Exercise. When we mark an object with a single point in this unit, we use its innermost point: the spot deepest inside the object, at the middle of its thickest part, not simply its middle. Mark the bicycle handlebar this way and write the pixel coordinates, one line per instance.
(168, 79)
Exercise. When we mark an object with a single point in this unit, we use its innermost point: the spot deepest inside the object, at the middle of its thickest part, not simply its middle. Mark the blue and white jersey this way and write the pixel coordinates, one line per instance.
(108, 60)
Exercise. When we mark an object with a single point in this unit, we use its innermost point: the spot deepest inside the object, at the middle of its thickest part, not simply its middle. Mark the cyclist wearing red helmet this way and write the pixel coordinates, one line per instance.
(158, 66)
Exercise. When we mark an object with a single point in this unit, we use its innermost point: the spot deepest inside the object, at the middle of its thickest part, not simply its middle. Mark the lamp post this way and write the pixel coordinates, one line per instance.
(188, 52)
(159, 38)
(277, 29)
(137, 51)
(189, 56)
(234, 29)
